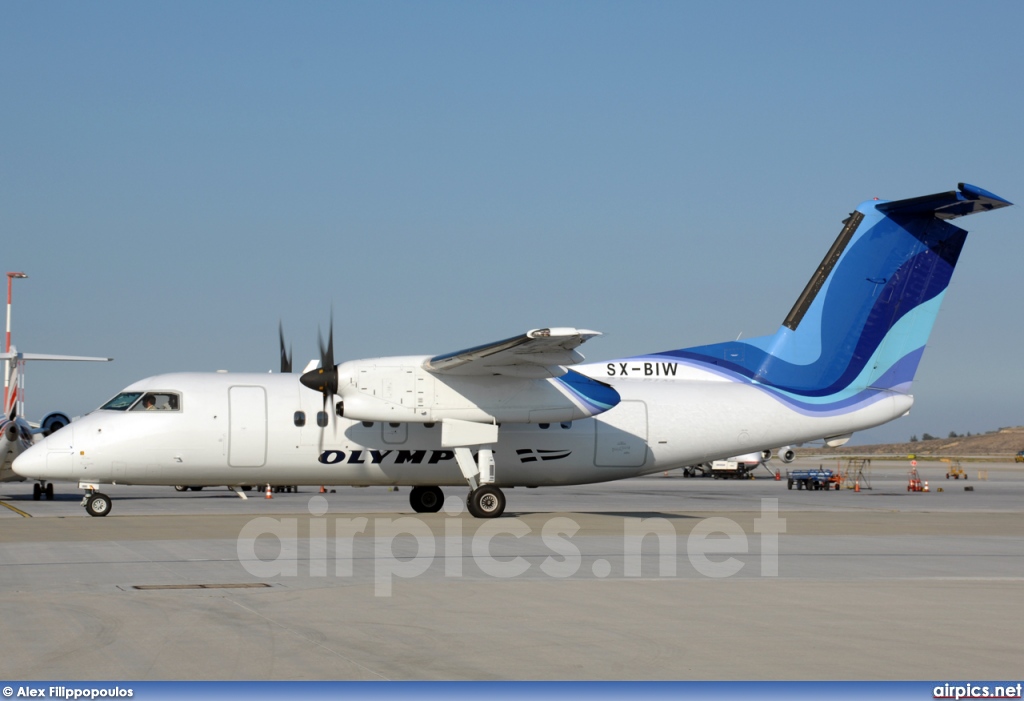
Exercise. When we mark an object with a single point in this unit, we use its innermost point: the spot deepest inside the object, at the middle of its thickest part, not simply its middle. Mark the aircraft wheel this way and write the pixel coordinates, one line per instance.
(426, 500)
(37, 492)
(98, 504)
(180, 488)
(486, 502)
(49, 491)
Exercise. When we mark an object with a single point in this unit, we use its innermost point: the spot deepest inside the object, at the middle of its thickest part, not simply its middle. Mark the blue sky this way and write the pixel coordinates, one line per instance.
(176, 178)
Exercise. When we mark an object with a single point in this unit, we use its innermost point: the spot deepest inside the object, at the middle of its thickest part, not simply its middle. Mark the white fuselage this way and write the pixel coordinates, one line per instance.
(240, 429)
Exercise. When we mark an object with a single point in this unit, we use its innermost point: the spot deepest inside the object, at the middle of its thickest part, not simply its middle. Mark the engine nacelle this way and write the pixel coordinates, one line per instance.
(401, 390)
(787, 454)
(53, 422)
(766, 455)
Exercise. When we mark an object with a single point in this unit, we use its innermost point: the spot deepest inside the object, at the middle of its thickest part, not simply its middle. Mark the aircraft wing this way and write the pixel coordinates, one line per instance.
(536, 353)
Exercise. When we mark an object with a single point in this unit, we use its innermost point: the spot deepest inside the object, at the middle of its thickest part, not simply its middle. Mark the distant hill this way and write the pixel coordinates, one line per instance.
(1004, 442)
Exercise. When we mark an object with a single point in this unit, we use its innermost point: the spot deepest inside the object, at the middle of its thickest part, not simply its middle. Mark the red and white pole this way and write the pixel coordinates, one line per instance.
(7, 345)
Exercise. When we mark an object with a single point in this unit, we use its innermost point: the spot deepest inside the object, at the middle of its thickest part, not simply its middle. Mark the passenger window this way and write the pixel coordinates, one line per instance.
(321, 419)
(300, 418)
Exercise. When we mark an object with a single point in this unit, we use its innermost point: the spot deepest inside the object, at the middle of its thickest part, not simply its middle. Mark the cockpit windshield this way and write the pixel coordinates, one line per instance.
(148, 401)
(122, 401)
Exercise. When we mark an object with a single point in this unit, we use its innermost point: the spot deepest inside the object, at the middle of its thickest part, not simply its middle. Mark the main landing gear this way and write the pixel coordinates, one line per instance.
(486, 501)
(426, 500)
(41, 488)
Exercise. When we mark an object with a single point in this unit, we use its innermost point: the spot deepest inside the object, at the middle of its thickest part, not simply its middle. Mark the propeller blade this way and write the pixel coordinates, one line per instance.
(286, 356)
(324, 379)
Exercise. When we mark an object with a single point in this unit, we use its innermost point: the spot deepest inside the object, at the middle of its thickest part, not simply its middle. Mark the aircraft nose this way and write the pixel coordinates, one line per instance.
(32, 463)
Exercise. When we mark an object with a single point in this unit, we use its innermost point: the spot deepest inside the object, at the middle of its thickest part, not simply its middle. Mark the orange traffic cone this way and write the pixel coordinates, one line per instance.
(778, 476)
(269, 495)
(926, 485)
(856, 486)
(323, 489)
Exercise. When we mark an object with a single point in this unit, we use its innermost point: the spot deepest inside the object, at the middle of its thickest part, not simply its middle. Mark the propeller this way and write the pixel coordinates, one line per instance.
(324, 379)
(286, 356)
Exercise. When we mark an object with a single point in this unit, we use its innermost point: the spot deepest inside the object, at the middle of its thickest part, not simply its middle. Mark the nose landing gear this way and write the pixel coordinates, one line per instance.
(95, 503)
(39, 489)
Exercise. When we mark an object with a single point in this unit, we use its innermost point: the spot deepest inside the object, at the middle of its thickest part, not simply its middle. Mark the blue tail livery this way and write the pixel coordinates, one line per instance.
(862, 321)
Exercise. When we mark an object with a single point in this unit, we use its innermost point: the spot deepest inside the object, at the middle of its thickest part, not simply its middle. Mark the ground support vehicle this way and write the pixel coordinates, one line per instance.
(812, 479)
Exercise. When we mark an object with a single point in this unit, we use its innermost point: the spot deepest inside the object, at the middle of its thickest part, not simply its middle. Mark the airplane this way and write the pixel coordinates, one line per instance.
(526, 412)
(16, 434)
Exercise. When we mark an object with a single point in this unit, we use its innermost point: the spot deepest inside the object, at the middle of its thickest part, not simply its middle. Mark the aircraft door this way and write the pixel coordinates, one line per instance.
(621, 436)
(247, 441)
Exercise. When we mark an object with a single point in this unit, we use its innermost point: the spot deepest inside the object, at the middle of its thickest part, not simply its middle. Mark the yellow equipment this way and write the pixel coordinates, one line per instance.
(955, 471)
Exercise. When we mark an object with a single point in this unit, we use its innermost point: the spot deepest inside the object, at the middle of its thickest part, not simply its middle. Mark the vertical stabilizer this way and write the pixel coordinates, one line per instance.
(862, 321)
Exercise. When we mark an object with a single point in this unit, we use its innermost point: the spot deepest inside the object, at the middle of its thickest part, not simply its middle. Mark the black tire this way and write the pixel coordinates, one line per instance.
(426, 500)
(37, 492)
(49, 491)
(486, 502)
(789, 484)
(98, 504)
(180, 488)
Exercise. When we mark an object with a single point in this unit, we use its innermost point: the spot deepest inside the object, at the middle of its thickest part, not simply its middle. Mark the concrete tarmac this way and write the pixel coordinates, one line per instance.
(650, 578)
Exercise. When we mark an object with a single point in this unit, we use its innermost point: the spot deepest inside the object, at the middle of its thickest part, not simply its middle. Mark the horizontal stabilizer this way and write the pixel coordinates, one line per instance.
(967, 199)
(13, 354)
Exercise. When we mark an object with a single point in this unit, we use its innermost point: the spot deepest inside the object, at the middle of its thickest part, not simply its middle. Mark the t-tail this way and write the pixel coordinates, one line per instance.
(861, 324)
